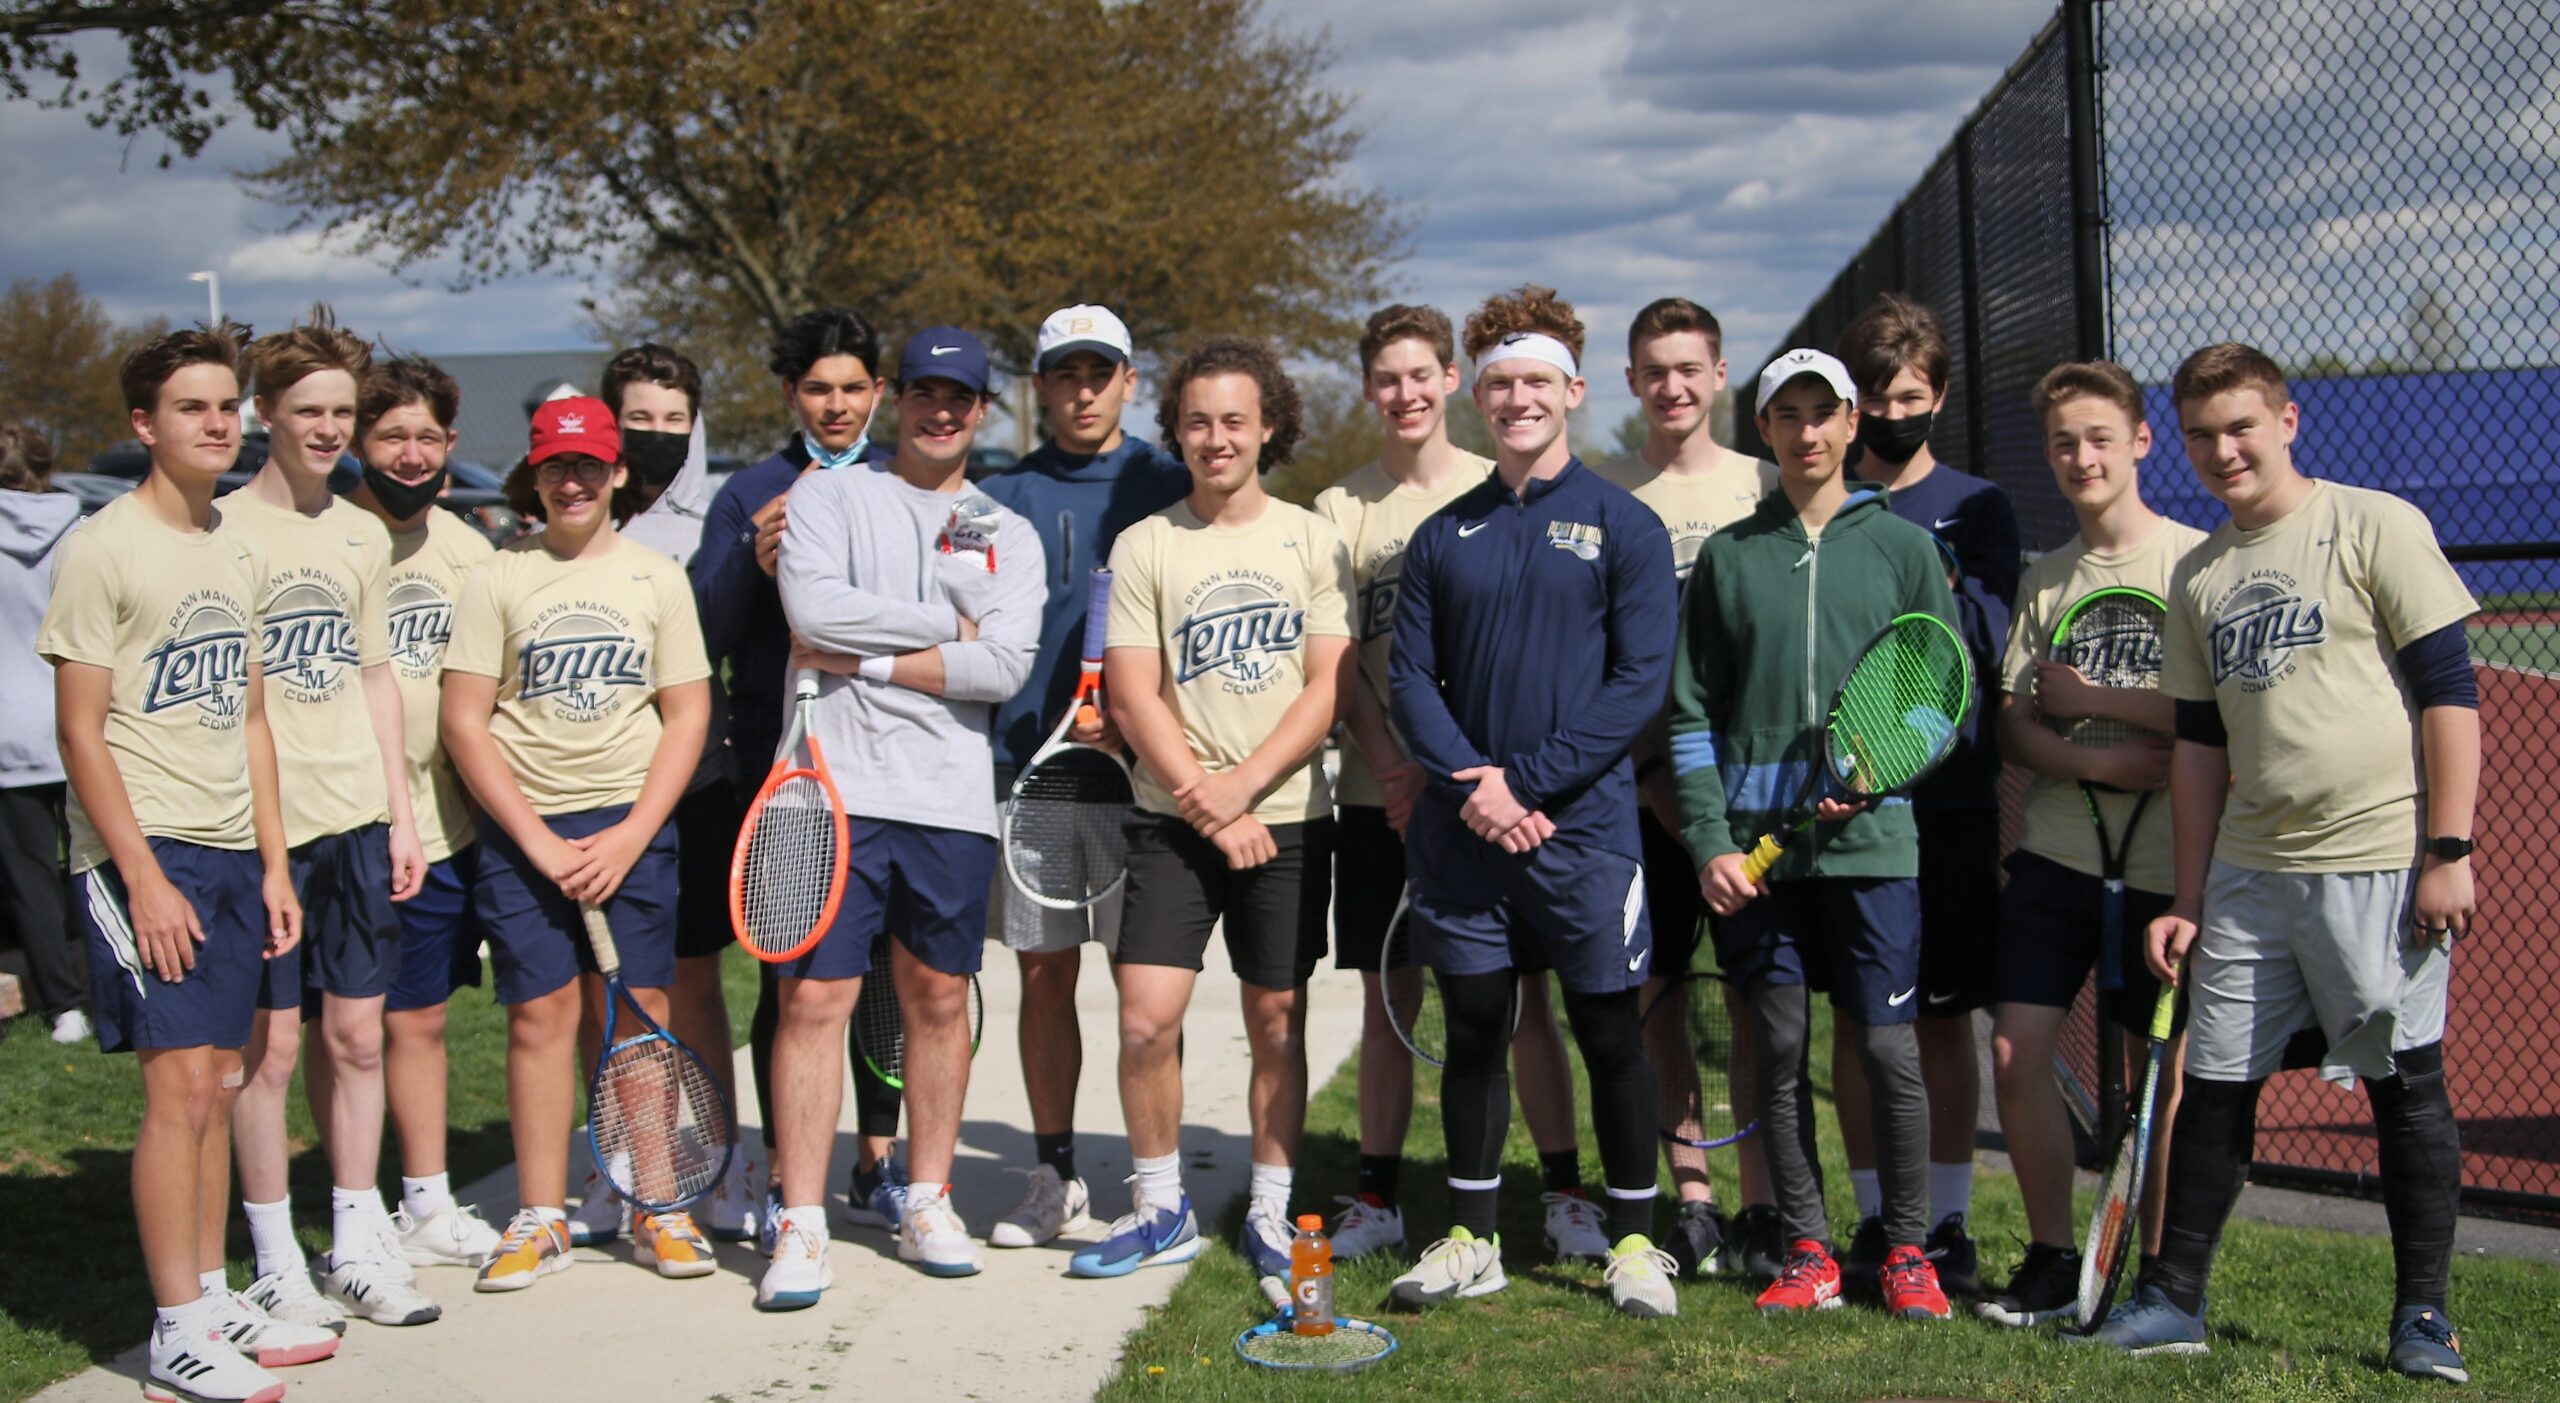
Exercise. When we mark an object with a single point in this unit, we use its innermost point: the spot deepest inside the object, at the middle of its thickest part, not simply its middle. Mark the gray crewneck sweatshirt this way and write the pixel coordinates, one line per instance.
(32, 524)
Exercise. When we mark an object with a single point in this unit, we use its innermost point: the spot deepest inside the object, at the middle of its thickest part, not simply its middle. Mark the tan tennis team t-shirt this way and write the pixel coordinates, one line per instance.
(1231, 608)
(171, 614)
(580, 649)
(321, 623)
(2056, 820)
(2293, 629)
(1376, 516)
(428, 566)
(1694, 506)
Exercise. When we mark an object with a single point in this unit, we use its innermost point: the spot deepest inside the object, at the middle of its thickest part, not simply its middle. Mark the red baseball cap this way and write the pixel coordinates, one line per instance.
(578, 424)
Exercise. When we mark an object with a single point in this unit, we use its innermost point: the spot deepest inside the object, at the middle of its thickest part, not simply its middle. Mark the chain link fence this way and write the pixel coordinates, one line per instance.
(2368, 190)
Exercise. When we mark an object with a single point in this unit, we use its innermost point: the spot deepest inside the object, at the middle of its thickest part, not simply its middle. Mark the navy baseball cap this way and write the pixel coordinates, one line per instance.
(944, 353)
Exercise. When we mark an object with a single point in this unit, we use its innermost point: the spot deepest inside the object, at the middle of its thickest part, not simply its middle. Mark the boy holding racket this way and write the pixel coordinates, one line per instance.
(921, 599)
(2327, 759)
(575, 705)
(2095, 441)
(1778, 607)
(1528, 656)
(343, 770)
(1079, 491)
(1229, 647)
(177, 841)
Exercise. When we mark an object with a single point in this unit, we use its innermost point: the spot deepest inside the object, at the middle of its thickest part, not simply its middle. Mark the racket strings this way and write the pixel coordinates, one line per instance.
(657, 1111)
(790, 864)
(1899, 709)
(1351, 1343)
(2114, 642)
(880, 1023)
(1065, 840)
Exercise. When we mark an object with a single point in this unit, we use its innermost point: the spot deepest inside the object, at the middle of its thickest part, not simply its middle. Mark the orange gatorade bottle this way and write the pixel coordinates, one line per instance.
(1311, 1278)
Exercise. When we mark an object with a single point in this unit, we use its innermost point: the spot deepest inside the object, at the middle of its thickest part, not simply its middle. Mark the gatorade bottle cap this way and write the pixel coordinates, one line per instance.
(1310, 1222)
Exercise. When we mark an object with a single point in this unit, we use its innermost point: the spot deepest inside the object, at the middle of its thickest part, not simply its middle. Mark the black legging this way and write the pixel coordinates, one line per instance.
(1898, 1111)
(1475, 1096)
(875, 1102)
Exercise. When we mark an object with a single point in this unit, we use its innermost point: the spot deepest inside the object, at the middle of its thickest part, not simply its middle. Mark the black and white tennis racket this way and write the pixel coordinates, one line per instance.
(787, 873)
(2112, 637)
(880, 1023)
(1704, 1072)
(1411, 995)
(2117, 1220)
(656, 1121)
(1065, 841)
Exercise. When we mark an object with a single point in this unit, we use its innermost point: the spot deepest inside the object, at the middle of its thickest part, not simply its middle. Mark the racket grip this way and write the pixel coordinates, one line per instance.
(1276, 1292)
(600, 940)
(1763, 856)
(1097, 614)
(2164, 1013)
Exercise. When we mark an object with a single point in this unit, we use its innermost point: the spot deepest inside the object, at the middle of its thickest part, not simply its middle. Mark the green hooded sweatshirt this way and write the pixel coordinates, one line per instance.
(1771, 621)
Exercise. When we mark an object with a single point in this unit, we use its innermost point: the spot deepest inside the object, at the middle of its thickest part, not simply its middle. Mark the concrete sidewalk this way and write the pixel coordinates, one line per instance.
(609, 1328)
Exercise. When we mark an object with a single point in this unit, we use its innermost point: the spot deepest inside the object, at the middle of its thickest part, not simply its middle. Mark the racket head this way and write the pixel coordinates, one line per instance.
(2112, 636)
(787, 872)
(1693, 1016)
(1065, 841)
(657, 1124)
(880, 1024)
(1901, 708)
(1353, 1345)
(1411, 996)
(2113, 1224)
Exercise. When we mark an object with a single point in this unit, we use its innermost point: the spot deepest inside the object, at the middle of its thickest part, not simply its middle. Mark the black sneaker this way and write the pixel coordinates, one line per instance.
(2045, 1288)
(1757, 1246)
(1865, 1258)
(1696, 1241)
(1950, 1250)
(2423, 1345)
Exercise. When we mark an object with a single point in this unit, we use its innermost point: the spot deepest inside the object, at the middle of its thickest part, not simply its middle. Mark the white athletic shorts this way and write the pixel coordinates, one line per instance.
(1030, 928)
(2281, 951)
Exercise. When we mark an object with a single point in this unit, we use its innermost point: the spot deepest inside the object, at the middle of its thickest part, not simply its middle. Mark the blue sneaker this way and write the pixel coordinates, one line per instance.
(2148, 1325)
(1265, 1240)
(769, 1220)
(1147, 1237)
(878, 1206)
(2423, 1345)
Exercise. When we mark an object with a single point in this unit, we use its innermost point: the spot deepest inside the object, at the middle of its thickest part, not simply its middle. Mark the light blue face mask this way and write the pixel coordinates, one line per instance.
(851, 455)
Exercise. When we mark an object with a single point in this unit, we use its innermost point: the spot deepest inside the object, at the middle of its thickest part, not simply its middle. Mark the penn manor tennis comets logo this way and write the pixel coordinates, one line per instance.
(421, 624)
(306, 641)
(581, 659)
(1385, 569)
(1238, 625)
(204, 662)
(2127, 655)
(1576, 539)
(1685, 545)
(2259, 626)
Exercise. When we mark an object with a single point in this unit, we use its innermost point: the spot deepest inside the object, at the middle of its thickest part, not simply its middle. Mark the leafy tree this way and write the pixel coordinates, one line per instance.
(58, 359)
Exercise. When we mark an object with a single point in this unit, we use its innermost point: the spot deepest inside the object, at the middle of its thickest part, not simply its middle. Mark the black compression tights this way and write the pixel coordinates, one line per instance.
(1609, 1031)
(1475, 1096)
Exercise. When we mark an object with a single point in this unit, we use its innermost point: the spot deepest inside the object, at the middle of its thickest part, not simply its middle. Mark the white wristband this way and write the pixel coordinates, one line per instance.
(877, 669)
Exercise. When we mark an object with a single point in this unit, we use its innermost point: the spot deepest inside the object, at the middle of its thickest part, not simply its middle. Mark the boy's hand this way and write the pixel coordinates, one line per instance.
(1216, 800)
(1528, 833)
(165, 929)
(2445, 901)
(1246, 843)
(1828, 810)
(1097, 731)
(605, 858)
(1722, 884)
(555, 857)
(1490, 812)
(2062, 693)
(284, 912)
(1403, 784)
(408, 862)
(2165, 943)
(807, 659)
(769, 521)
(2139, 763)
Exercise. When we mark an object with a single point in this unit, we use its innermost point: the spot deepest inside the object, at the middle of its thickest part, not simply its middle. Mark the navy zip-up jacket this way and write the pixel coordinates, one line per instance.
(1533, 631)
(1972, 518)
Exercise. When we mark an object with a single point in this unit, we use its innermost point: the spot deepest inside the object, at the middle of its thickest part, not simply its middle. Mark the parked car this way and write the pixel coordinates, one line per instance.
(487, 512)
(94, 490)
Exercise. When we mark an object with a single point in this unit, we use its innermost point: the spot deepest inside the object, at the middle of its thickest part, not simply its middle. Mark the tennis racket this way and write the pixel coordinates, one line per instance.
(1896, 715)
(786, 876)
(1065, 846)
(2112, 636)
(1276, 1344)
(1697, 1083)
(656, 1122)
(2117, 1220)
(1412, 997)
(880, 1024)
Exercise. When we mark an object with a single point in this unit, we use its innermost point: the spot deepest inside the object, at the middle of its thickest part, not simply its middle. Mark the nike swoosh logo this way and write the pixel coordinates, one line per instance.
(1936, 999)
(1636, 962)
(1466, 531)
(1944, 522)
(1902, 998)
(944, 351)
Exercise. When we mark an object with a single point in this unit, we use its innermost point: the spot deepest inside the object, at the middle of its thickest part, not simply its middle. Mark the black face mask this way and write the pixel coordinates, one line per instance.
(402, 499)
(1895, 441)
(654, 456)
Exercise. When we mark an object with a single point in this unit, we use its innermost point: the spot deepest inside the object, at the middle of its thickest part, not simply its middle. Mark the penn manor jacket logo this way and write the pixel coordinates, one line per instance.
(1239, 628)
(1572, 536)
(580, 660)
(421, 624)
(306, 642)
(205, 660)
(2258, 628)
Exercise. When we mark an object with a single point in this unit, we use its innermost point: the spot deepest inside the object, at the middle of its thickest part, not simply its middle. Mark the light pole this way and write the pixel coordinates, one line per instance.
(213, 293)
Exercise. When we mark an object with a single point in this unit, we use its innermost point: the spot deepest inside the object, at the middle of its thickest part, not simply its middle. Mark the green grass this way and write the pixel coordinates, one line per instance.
(72, 1291)
(2297, 1314)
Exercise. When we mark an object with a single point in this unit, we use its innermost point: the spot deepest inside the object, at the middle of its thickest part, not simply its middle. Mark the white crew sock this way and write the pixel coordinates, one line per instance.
(191, 1318)
(1869, 1190)
(812, 1216)
(356, 1217)
(1269, 1189)
(426, 1197)
(1160, 1180)
(271, 1236)
(213, 1281)
(549, 1215)
(1950, 1189)
(922, 1194)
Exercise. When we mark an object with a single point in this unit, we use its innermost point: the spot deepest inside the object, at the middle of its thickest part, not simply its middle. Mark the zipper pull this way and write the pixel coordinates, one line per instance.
(1802, 560)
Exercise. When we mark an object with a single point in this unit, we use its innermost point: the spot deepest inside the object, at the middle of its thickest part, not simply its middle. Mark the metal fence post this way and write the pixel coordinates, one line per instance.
(2088, 179)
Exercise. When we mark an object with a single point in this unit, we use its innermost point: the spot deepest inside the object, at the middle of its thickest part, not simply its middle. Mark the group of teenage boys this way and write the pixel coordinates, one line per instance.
(1571, 698)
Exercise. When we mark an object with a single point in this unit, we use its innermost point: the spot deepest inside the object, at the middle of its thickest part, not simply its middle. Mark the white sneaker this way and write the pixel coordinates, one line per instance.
(200, 1366)
(261, 1337)
(452, 1236)
(1639, 1279)
(289, 1296)
(387, 1251)
(1573, 1228)
(1454, 1268)
(381, 1292)
(932, 1236)
(1365, 1227)
(71, 1026)
(601, 1215)
(1050, 1207)
(800, 1270)
(730, 1214)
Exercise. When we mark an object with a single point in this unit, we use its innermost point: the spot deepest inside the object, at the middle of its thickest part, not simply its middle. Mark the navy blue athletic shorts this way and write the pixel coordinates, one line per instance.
(1855, 938)
(439, 938)
(925, 886)
(1671, 896)
(1560, 906)
(538, 939)
(707, 823)
(1959, 909)
(352, 940)
(2049, 941)
(135, 1010)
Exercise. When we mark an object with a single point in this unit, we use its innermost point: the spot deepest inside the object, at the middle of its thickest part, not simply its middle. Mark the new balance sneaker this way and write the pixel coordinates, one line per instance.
(1697, 1240)
(1810, 1280)
(200, 1366)
(1910, 1286)
(2045, 1288)
(732, 1213)
(1455, 1268)
(379, 1291)
(1865, 1257)
(528, 1250)
(1146, 1237)
(1050, 1206)
(1757, 1246)
(601, 1215)
(872, 1201)
(1573, 1228)
(289, 1296)
(1639, 1279)
(2148, 1324)
(452, 1236)
(1950, 1249)
(2423, 1345)
(1265, 1238)
(1365, 1226)
(800, 1271)
(769, 1219)
(932, 1236)
(671, 1243)
(271, 1343)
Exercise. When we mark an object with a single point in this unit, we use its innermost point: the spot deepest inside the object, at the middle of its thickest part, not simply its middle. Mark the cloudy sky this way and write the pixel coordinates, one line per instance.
(1733, 153)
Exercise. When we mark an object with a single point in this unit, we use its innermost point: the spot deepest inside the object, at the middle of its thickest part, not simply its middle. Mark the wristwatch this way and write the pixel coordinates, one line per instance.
(2449, 849)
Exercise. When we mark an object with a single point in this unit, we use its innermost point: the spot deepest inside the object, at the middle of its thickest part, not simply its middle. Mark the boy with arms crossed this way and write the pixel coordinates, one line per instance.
(1228, 649)
(1528, 655)
(177, 843)
(2327, 758)
(1777, 609)
(2095, 440)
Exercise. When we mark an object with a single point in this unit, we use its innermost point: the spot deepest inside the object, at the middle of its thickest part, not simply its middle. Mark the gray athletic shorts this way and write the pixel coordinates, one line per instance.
(1027, 926)
(2281, 951)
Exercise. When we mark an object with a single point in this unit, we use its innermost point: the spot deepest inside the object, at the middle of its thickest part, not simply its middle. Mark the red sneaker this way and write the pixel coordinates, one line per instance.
(1911, 1286)
(1809, 1281)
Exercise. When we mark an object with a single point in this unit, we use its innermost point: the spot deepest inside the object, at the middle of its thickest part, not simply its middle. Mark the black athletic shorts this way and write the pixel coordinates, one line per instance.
(1368, 880)
(1180, 889)
(2049, 941)
(1671, 894)
(1959, 910)
(707, 822)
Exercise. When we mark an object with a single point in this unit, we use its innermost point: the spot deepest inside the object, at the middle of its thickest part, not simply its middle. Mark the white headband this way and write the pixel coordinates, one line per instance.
(1530, 345)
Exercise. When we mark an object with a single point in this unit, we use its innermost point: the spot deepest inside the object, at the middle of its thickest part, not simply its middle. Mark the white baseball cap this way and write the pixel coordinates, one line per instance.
(1803, 361)
(1083, 327)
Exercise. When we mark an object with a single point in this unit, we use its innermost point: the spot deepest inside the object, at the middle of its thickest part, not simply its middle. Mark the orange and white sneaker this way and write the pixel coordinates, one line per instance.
(1809, 1281)
(1910, 1282)
(671, 1243)
(528, 1250)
